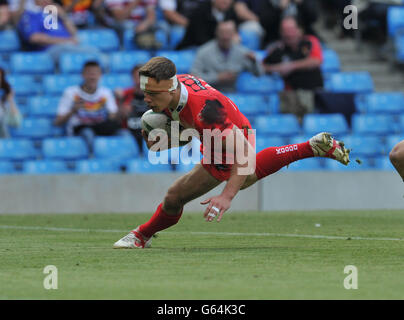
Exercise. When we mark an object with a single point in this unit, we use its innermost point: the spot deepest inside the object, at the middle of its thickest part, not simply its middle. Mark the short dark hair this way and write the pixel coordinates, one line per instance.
(135, 67)
(159, 68)
(91, 63)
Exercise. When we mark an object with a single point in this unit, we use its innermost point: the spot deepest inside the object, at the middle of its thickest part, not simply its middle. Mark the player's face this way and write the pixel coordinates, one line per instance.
(157, 101)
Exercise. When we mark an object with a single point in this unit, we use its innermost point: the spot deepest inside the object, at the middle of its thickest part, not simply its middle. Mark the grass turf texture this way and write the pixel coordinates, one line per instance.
(187, 263)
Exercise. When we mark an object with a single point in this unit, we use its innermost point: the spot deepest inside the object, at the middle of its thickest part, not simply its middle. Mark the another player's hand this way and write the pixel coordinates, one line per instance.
(217, 206)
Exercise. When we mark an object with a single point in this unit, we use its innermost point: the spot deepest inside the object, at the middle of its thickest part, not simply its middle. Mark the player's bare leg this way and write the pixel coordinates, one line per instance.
(192, 185)
(397, 158)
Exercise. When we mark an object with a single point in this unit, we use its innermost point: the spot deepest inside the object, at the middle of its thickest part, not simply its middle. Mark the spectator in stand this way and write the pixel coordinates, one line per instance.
(271, 12)
(220, 61)
(204, 19)
(17, 8)
(251, 20)
(80, 11)
(37, 36)
(139, 15)
(132, 106)
(88, 110)
(178, 12)
(4, 14)
(9, 113)
(297, 58)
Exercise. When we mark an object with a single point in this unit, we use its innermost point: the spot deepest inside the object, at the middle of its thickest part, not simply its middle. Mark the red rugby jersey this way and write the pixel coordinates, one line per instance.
(192, 111)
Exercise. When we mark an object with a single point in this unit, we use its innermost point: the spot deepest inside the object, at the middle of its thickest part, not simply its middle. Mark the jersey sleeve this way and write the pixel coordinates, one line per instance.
(316, 51)
(66, 102)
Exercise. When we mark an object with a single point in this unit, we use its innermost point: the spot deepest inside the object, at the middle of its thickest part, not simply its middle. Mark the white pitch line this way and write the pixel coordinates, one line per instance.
(288, 235)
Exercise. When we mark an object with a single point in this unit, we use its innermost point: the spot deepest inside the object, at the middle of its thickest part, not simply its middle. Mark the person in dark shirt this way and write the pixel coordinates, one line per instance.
(203, 22)
(297, 58)
(131, 106)
(4, 14)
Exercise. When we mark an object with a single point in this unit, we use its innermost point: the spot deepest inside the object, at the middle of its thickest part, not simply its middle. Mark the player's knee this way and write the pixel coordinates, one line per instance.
(396, 155)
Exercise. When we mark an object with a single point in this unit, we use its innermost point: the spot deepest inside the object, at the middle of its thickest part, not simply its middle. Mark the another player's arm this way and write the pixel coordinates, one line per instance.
(238, 175)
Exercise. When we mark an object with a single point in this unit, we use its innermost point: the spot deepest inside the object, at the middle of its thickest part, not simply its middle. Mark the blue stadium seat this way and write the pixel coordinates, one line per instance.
(182, 59)
(366, 164)
(116, 147)
(373, 124)
(7, 167)
(349, 82)
(331, 62)
(248, 83)
(364, 146)
(310, 164)
(316, 123)
(300, 138)
(44, 167)
(250, 39)
(384, 163)
(66, 148)
(17, 149)
(95, 166)
(279, 124)
(380, 102)
(103, 39)
(124, 61)
(31, 62)
(399, 47)
(24, 85)
(36, 128)
(129, 43)
(117, 80)
(144, 166)
(250, 104)
(9, 41)
(395, 20)
(176, 35)
(392, 140)
(42, 106)
(263, 142)
(74, 62)
(55, 84)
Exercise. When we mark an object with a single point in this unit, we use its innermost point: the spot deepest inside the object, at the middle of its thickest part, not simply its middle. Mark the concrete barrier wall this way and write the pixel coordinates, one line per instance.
(142, 193)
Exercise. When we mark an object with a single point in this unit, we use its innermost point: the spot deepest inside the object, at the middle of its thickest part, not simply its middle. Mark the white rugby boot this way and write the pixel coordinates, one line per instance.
(133, 240)
(324, 145)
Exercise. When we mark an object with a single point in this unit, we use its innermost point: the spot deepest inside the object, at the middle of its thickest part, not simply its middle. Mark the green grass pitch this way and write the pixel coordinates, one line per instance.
(256, 255)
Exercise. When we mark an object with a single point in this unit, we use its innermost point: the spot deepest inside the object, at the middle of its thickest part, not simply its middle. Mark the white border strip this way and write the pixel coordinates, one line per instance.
(232, 234)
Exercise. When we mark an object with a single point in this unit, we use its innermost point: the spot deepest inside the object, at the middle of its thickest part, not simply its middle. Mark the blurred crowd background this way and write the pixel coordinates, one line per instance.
(70, 100)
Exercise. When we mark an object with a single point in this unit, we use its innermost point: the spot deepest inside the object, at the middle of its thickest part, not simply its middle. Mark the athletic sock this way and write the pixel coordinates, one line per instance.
(272, 159)
(159, 221)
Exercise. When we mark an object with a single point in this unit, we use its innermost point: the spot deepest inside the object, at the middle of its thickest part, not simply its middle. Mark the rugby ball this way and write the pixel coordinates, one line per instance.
(155, 120)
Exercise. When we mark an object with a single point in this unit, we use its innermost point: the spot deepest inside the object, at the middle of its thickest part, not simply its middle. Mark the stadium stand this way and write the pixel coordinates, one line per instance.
(38, 84)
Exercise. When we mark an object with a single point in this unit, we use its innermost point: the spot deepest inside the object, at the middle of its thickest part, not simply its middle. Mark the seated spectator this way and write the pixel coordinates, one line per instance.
(203, 22)
(271, 12)
(5, 16)
(132, 106)
(9, 113)
(139, 15)
(17, 8)
(220, 61)
(79, 11)
(297, 58)
(37, 36)
(178, 12)
(251, 21)
(88, 109)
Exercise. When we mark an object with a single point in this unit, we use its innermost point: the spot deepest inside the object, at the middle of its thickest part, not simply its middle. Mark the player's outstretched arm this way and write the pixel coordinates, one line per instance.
(244, 165)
